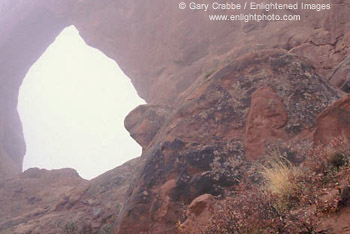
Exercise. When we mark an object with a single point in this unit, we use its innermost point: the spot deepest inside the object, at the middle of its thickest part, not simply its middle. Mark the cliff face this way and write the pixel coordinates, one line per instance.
(162, 49)
(218, 93)
(224, 121)
(41, 201)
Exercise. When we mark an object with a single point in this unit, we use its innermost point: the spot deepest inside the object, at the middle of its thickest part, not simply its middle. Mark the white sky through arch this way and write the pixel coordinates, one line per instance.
(72, 104)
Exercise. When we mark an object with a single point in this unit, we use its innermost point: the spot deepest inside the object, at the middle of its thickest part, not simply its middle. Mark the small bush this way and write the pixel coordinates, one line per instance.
(281, 179)
(327, 159)
(286, 198)
(254, 212)
(338, 153)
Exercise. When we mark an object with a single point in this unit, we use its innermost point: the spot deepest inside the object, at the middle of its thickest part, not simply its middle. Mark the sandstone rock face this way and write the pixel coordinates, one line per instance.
(28, 198)
(200, 148)
(145, 121)
(334, 122)
(200, 204)
(265, 122)
(270, 95)
(41, 201)
(226, 109)
(27, 29)
(161, 48)
(341, 76)
(199, 212)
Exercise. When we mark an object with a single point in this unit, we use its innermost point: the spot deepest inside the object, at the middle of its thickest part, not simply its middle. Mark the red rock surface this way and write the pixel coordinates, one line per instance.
(232, 97)
(334, 122)
(203, 145)
(145, 121)
(199, 212)
(161, 48)
(42, 201)
(265, 122)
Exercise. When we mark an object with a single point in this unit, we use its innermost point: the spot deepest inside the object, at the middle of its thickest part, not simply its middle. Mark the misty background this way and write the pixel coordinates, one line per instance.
(72, 104)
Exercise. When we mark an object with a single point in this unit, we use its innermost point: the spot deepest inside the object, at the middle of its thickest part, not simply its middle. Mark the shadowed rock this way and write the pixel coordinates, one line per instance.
(334, 122)
(222, 120)
(223, 112)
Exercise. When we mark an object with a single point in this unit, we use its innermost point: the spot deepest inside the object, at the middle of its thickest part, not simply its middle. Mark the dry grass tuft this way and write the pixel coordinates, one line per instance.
(279, 177)
(282, 179)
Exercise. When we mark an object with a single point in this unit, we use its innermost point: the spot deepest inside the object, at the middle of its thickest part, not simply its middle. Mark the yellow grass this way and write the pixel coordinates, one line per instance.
(280, 178)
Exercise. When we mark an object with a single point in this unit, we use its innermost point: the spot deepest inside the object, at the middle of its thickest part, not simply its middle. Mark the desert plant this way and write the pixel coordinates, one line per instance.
(282, 179)
(252, 211)
(338, 153)
(281, 200)
(327, 159)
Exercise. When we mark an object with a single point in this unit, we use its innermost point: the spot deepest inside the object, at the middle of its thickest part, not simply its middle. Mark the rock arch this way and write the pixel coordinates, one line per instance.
(163, 50)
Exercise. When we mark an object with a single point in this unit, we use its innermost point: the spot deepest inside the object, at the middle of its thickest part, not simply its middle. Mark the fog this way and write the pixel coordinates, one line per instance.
(72, 104)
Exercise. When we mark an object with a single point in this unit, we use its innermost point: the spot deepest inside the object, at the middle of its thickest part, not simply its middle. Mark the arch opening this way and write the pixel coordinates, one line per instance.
(72, 104)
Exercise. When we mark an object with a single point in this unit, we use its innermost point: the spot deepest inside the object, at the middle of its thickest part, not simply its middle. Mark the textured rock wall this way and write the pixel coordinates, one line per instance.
(224, 121)
(216, 110)
(27, 29)
(162, 49)
(42, 201)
